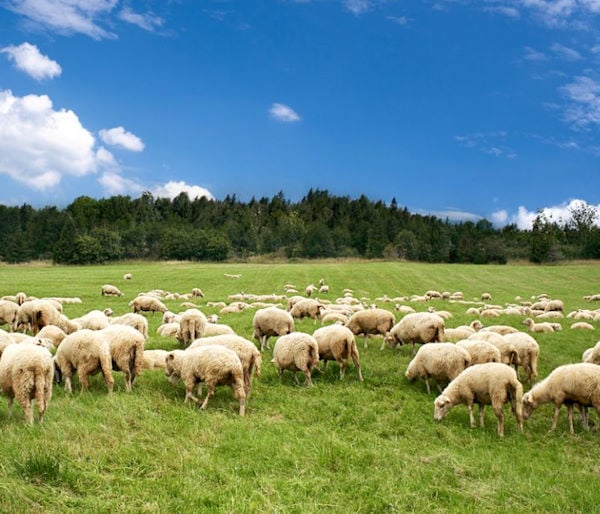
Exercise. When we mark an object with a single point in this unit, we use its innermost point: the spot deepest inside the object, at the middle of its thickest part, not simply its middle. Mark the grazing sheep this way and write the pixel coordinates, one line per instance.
(481, 351)
(416, 328)
(110, 290)
(53, 333)
(170, 317)
(371, 321)
(217, 329)
(554, 305)
(137, 321)
(8, 314)
(154, 359)
(213, 365)
(296, 352)
(337, 343)
(532, 326)
(462, 332)
(310, 289)
(35, 314)
(307, 309)
(86, 352)
(26, 373)
(93, 320)
(247, 352)
(147, 303)
(528, 353)
(490, 383)
(570, 384)
(127, 276)
(582, 325)
(486, 297)
(192, 325)
(592, 355)
(126, 350)
(334, 317)
(443, 362)
(168, 330)
(196, 292)
(271, 321)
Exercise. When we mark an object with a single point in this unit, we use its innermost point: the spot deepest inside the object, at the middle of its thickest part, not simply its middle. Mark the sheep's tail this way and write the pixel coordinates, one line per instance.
(40, 385)
(258, 365)
(133, 357)
(516, 398)
(36, 321)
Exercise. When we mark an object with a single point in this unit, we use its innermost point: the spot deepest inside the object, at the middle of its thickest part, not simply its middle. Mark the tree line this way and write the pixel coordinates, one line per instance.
(91, 231)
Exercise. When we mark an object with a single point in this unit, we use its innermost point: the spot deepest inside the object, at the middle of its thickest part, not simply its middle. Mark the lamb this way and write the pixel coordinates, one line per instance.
(490, 383)
(137, 321)
(26, 373)
(297, 351)
(247, 352)
(214, 365)
(337, 343)
(147, 303)
(87, 352)
(480, 351)
(442, 362)
(307, 309)
(371, 321)
(537, 327)
(420, 327)
(8, 314)
(571, 383)
(528, 351)
(126, 350)
(192, 325)
(271, 321)
(110, 290)
(154, 359)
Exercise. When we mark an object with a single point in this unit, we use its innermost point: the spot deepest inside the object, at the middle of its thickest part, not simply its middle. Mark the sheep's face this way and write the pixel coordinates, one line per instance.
(441, 406)
(529, 404)
(172, 368)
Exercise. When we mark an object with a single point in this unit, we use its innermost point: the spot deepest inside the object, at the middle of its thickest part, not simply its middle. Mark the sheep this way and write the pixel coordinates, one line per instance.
(26, 373)
(93, 320)
(528, 351)
(310, 289)
(297, 351)
(87, 352)
(137, 321)
(334, 317)
(110, 290)
(247, 352)
(192, 325)
(430, 295)
(196, 292)
(324, 289)
(214, 365)
(8, 313)
(592, 355)
(486, 297)
(508, 351)
(442, 362)
(571, 383)
(480, 351)
(490, 383)
(307, 309)
(371, 321)
(537, 327)
(52, 332)
(217, 329)
(500, 329)
(35, 314)
(154, 359)
(126, 350)
(271, 321)
(420, 327)
(582, 325)
(233, 308)
(462, 332)
(168, 330)
(554, 305)
(337, 343)
(147, 303)
(127, 276)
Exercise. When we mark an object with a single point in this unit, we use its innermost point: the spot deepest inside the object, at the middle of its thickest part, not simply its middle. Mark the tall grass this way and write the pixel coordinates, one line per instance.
(339, 446)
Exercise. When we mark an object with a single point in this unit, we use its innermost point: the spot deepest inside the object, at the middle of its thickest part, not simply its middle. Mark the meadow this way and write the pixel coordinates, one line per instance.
(338, 446)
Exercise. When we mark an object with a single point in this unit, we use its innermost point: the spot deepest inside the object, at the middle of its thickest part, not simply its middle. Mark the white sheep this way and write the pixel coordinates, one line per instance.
(462, 332)
(93, 320)
(168, 330)
(532, 326)
(53, 333)
(197, 292)
(247, 352)
(217, 329)
(86, 352)
(191, 326)
(416, 328)
(127, 276)
(480, 351)
(137, 321)
(154, 359)
(26, 373)
(500, 329)
(307, 308)
(269, 322)
(592, 355)
(371, 321)
(490, 383)
(582, 325)
(337, 343)
(8, 313)
(297, 351)
(508, 351)
(126, 350)
(147, 303)
(442, 361)
(528, 351)
(110, 290)
(569, 384)
(213, 365)
(554, 305)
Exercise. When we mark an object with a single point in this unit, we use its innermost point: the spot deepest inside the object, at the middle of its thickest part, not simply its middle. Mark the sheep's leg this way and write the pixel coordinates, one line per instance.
(365, 341)
(342, 368)
(85, 382)
(500, 415)
(26, 404)
(570, 417)
(481, 414)
(427, 384)
(209, 393)
(357, 365)
(583, 410)
(10, 406)
(280, 373)
(555, 417)
(471, 417)
(308, 375)
(68, 387)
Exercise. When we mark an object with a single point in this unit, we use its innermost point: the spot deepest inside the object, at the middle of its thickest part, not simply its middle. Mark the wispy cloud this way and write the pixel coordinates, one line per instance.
(118, 136)
(114, 183)
(583, 107)
(492, 143)
(146, 21)
(505, 10)
(283, 113)
(399, 20)
(564, 52)
(30, 60)
(531, 54)
(357, 7)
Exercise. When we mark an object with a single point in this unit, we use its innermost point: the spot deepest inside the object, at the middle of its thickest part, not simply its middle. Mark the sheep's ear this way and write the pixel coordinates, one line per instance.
(170, 356)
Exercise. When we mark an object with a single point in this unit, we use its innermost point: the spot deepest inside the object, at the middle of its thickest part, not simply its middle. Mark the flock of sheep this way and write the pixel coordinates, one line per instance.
(477, 363)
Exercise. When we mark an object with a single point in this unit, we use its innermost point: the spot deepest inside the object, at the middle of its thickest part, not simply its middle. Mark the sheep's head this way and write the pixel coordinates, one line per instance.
(173, 366)
(441, 406)
(392, 340)
(529, 404)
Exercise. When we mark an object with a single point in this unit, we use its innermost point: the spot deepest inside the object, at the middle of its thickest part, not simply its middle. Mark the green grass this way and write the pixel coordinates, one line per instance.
(334, 447)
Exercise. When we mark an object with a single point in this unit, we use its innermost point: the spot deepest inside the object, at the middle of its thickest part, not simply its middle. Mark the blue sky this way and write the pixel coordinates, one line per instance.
(459, 108)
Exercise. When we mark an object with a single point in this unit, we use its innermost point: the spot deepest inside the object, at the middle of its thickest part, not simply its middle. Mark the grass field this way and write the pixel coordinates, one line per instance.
(339, 446)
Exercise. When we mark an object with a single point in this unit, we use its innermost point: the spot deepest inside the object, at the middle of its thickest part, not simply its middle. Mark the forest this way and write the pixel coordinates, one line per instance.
(320, 225)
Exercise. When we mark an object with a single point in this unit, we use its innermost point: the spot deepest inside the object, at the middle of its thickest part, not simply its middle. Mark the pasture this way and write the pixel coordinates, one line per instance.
(338, 446)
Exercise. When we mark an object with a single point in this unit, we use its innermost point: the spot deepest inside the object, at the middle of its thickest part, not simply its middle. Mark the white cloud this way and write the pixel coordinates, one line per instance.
(584, 107)
(172, 189)
(39, 145)
(146, 21)
(284, 113)
(118, 136)
(452, 215)
(399, 20)
(28, 58)
(66, 16)
(500, 217)
(560, 214)
(491, 143)
(357, 6)
(532, 54)
(564, 52)
(115, 184)
(510, 12)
